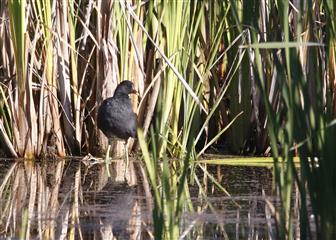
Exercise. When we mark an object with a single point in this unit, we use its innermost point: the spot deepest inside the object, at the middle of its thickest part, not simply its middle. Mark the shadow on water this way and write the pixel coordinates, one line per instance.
(65, 199)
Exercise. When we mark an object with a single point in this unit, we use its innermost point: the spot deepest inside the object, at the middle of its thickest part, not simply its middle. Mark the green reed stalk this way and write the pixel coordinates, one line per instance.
(304, 123)
(241, 87)
(71, 17)
(17, 12)
(44, 15)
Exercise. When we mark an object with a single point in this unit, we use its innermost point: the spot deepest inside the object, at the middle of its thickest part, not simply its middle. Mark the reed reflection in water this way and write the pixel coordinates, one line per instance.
(71, 199)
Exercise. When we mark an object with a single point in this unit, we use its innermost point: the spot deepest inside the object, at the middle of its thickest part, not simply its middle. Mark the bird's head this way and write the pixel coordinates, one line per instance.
(125, 88)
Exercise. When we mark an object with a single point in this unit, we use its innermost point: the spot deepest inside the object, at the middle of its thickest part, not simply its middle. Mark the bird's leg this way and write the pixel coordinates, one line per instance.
(126, 164)
(107, 158)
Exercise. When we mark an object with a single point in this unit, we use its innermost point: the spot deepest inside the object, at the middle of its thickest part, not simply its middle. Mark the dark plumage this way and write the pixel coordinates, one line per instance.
(116, 118)
(115, 115)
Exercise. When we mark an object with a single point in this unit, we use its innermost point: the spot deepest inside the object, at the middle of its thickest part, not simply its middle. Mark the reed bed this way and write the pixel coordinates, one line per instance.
(246, 77)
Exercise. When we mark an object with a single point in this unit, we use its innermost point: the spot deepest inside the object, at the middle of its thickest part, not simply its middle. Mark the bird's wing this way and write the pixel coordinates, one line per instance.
(120, 118)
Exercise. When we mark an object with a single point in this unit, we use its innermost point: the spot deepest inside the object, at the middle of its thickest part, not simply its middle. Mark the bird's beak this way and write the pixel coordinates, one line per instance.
(135, 92)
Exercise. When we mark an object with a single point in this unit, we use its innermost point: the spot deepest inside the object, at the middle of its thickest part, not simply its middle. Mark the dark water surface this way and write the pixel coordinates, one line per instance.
(63, 199)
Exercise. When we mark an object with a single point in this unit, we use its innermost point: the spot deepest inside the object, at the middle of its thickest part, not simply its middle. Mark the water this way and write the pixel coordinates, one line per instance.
(61, 199)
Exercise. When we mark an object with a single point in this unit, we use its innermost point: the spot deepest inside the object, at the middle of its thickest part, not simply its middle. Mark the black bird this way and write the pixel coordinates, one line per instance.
(116, 118)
